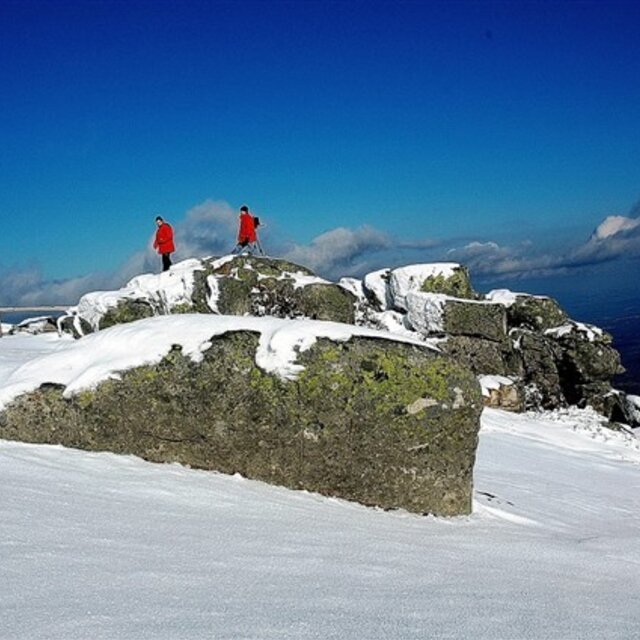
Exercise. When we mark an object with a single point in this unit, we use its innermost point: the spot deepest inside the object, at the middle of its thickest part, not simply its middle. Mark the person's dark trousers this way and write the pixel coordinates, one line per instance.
(166, 261)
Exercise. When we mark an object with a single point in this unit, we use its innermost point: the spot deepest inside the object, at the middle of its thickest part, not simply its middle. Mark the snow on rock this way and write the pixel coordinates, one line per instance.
(425, 311)
(300, 279)
(214, 293)
(633, 407)
(395, 322)
(354, 286)
(591, 332)
(405, 280)
(493, 383)
(508, 298)
(83, 364)
(376, 285)
(163, 290)
(39, 324)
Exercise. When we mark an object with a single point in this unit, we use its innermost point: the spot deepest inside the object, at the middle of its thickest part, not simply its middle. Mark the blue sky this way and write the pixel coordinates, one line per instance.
(509, 126)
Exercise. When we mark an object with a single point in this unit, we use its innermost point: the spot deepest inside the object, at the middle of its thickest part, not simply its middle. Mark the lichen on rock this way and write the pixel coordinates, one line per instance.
(376, 421)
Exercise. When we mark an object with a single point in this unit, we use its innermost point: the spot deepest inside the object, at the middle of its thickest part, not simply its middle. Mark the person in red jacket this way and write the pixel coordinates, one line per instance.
(164, 242)
(247, 236)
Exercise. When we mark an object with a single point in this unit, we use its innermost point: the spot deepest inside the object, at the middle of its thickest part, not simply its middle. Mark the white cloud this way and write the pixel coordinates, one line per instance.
(612, 226)
(339, 248)
(210, 229)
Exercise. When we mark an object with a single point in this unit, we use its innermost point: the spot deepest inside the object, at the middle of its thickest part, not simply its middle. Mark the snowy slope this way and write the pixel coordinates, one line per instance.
(104, 546)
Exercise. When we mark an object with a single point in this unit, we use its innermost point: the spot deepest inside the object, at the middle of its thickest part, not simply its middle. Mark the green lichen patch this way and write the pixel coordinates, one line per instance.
(127, 311)
(536, 313)
(457, 285)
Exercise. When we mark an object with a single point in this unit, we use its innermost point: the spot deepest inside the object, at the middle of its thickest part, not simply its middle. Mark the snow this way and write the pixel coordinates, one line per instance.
(425, 311)
(633, 405)
(490, 383)
(394, 322)
(592, 332)
(353, 285)
(404, 280)
(507, 298)
(164, 290)
(301, 279)
(376, 284)
(82, 364)
(95, 545)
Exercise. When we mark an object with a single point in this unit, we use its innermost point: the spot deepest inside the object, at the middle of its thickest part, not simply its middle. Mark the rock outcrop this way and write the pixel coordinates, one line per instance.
(370, 389)
(352, 412)
(232, 285)
(552, 360)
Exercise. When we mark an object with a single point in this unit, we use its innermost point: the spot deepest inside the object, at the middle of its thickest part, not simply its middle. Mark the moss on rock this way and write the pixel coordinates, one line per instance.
(457, 285)
(383, 423)
(325, 302)
(127, 310)
(482, 319)
(480, 355)
(535, 312)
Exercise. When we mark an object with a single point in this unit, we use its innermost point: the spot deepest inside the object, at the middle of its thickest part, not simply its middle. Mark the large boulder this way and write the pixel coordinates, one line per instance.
(433, 313)
(231, 285)
(266, 286)
(447, 278)
(319, 406)
(534, 359)
(388, 288)
(587, 354)
(526, 311)
(482, 356)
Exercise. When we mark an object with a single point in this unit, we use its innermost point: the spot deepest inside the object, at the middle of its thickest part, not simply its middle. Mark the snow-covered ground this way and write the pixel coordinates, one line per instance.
(95, 545)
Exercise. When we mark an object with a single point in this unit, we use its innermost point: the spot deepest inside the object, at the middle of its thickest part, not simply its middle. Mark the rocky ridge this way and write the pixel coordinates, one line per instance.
(365, 389)
(524, 348)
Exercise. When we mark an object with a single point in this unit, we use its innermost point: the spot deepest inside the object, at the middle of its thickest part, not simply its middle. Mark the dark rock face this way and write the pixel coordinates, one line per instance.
(483, 320)
(536, 313)
(77, 327)
(588, 356)
(382, 423)
(262, 286)
(127, 311)
(535, 359)
(482, 356)
(246, 285)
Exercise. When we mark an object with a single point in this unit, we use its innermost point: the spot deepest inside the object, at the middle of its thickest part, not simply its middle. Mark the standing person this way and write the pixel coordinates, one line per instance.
(247, 235)
(164, 242)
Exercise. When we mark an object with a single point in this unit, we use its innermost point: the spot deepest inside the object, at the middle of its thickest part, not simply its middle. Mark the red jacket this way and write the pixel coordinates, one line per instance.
(247, 232)
(164, 239)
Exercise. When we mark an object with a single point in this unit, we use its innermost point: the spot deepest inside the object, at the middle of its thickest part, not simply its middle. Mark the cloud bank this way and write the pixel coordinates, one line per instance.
(210, 228)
